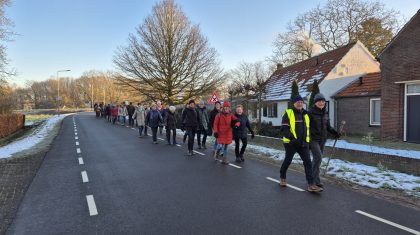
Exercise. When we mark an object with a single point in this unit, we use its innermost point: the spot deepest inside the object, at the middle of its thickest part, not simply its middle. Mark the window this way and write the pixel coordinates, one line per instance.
(265, 110)
(272, 110)
(413, 89)
(375, 112)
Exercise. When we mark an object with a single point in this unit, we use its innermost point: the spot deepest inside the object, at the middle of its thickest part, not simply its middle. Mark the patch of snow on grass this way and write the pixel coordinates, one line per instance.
(31, 140)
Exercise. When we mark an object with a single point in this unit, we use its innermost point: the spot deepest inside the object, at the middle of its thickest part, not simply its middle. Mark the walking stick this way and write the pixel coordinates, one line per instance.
(333, 147)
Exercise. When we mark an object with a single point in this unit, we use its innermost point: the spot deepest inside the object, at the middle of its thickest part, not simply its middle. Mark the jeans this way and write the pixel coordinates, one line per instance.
(317, 149)
(304, 155)
(122, 120)
(168, 135)
(215, 145)
(114, 119)
(191, 133)
(203, 141)
(130, 120)
(224, 147)
(244, 144)
(154, 133)
(141, 130)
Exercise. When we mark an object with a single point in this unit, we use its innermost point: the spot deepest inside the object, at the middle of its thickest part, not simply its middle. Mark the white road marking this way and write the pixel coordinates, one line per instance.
(75, 133)
(76, 138)
(78, 150)
(81, 161)
(133, 128)
(92, 206)
(85, 177)
(230, 164)
(288, 185)
(161, 139)
(388, 222)
(77, 142)
(178, 145)
(199, 153)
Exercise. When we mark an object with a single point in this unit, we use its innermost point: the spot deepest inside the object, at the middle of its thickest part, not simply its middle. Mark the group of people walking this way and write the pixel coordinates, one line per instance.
(302, 131)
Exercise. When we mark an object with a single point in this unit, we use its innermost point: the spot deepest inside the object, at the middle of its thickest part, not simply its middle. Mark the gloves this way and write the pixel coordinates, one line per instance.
(237, 124)
(216, 135)
(252, 135)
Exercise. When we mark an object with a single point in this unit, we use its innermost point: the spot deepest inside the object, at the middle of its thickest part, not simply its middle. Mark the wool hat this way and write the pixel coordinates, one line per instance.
(226, 104)
(297, 98)
(191, 101)
(201, 102)
(319, 97)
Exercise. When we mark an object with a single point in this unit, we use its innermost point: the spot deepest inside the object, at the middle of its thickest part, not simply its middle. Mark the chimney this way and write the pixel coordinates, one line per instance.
(360, 80)
(279, 66)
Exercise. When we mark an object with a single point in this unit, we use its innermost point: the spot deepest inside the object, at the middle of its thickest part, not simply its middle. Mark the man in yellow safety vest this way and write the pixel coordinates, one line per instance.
(296, 137)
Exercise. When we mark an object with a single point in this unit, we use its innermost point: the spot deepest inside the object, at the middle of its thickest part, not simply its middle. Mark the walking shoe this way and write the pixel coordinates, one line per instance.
(242, 158)
(225, 161)
(283, 182)
(216, 155)
(314, 189)
(321, 185)
(175, 143)
(189, 153)
(199, 146)
(238, 159)
(204, 146)
(155, 142)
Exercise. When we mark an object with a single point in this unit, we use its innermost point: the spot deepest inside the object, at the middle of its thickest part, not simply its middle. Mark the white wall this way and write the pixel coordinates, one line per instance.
(281, 107)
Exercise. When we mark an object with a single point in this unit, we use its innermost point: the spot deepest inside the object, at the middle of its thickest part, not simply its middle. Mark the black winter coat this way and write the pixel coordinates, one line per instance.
(320, 124)
(240, 132)
(190, 118)
(130, 110)
(153, 118)
(300, 128)
(170, 121)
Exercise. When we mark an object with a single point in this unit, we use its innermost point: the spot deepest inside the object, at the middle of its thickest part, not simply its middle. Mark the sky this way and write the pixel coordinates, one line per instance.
(83, 35)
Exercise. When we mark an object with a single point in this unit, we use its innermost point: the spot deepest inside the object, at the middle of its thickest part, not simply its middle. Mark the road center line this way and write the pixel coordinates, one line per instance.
(85, 178)
(92, 206)
(76, 138)
(77, 142)
(81, 161)
(199, 153)
(133, 128)
(178, 145)
(230, 164)
(388, 222)
(78, 150)
(288, 185)
(161, 139)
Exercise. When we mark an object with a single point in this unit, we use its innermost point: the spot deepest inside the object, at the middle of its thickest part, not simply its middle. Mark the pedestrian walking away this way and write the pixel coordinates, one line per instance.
(122, 113)
(170, 125)
(240, 134)
(130, 112)
(213, 114)
(153, 119)
(184, 139)
(319, 128)
(295, 130)
(140, 117)
(223, 124)
(114, 113)
(203, 125)
(190, 125)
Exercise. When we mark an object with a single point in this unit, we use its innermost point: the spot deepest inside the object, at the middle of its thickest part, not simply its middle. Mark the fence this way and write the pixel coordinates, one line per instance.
(10, 123)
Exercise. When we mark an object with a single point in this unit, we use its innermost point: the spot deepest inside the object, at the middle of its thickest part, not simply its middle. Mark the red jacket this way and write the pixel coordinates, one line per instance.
(222, 126)
(114, 111)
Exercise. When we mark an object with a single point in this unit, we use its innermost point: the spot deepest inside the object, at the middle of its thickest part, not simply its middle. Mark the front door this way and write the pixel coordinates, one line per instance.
(413, 118)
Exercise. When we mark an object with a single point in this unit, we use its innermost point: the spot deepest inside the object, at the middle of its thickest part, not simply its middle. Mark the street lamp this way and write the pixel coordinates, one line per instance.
(58, 89)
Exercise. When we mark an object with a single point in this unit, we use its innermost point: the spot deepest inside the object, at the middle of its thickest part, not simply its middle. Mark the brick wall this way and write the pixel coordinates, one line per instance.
(10, 123)
(355, 111)
(400, 62)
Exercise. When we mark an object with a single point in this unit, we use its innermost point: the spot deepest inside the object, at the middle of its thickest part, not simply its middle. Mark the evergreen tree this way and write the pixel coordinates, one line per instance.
(315, 90)
(295, 92)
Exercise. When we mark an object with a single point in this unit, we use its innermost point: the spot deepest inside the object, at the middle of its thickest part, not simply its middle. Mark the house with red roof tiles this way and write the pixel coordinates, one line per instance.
(333, 70)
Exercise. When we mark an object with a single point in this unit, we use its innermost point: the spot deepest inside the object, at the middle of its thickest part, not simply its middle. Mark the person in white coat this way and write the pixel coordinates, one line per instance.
(140, 116)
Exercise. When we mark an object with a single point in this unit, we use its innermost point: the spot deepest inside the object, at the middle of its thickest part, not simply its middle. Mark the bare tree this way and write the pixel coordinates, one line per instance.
(5, 34)
(337, 23)
(168, 58)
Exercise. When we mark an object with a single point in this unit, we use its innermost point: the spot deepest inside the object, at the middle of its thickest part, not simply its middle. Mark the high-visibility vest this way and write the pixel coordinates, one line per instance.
(292, 122)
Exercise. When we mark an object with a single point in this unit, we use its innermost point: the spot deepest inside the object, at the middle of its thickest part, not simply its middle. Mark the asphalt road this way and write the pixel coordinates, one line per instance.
(112, 182)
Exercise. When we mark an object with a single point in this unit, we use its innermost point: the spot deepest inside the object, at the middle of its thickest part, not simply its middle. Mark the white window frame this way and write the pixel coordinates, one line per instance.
(371, 123)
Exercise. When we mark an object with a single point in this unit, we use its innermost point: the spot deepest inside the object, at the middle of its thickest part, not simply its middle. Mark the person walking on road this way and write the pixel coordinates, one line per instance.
(140, 116)
(108, 113)
(239, 134)
(213, 115)
(223, 124)
(320, 127)
(98, 111)
(130, 112)
(202, 125)
(295, 130)
(170, 125)
(185, 133)
(146, 111)
(160, 109)
(190, 125)
(114, 114)
(122, 113)
(153, 119)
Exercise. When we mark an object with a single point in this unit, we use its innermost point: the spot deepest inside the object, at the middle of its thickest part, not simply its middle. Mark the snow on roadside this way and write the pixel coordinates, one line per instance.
(343, 144)
(369, 176)
(31, 140)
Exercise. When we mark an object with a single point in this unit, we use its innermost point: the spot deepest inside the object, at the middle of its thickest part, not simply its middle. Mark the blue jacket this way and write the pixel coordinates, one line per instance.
(153, 118)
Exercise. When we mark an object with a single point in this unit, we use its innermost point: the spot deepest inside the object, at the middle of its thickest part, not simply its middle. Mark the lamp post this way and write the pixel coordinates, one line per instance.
(58, 89)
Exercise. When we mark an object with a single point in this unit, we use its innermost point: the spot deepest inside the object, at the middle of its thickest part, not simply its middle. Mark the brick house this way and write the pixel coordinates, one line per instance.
(359, 104)
(333, 70)
(400, 84)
